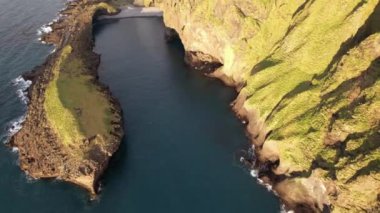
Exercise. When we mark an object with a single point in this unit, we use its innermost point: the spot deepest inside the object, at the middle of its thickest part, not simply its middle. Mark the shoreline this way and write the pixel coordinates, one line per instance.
(210, 67)
(298, 129)
(134, 12)
(45, 156)
(256, 133)
(278, 184)
(267, 163)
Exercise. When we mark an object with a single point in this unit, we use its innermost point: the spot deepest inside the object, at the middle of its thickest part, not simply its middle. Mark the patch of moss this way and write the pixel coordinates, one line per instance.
(60, 118)
(108, 7)
(75, 106)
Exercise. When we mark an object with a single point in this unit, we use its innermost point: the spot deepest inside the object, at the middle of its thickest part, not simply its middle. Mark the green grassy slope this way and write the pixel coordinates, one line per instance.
(311, 74)
(75, 106)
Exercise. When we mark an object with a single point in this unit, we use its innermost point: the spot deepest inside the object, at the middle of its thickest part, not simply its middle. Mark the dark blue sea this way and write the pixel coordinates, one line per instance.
(183, 142)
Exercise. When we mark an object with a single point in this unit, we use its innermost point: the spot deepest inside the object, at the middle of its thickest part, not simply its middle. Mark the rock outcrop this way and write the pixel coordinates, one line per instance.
(73, 124)
(308, 75)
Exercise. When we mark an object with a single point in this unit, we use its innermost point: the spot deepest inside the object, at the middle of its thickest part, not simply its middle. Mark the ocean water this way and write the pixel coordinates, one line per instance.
(182, 144)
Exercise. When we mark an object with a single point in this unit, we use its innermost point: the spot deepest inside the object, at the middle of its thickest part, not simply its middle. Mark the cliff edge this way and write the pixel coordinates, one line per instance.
(73, 124)
(307, 72)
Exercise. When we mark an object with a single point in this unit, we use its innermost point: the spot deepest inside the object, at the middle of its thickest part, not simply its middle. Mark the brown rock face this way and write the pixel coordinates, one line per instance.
(42, 152)
(202, 62)
(307, 73)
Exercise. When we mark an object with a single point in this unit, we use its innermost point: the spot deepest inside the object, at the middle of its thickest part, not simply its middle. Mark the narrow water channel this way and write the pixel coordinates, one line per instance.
(181, 136)
(178, 155)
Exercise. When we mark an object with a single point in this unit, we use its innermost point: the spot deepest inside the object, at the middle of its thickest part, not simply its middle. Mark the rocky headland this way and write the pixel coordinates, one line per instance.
(308, 77)
(307, 73)
(73, 124)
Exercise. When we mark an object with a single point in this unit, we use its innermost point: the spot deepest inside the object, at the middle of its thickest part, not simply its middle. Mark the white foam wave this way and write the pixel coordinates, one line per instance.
(44, 30)
(53, 50)
(30, 179)
(57, 18)
(13, 127)
(16, 125)
(269, 187)
(22, 86)
(254, 173)
(283, 209)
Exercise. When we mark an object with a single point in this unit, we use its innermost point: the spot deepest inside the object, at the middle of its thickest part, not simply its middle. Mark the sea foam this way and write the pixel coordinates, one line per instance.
(255, 173)
(283, 209)
(12, 128)
(44, 29)
(22, 86)
(15, 125)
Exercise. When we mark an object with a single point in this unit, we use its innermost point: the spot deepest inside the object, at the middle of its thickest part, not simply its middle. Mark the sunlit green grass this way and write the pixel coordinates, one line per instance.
(74, 104)
(305, 76)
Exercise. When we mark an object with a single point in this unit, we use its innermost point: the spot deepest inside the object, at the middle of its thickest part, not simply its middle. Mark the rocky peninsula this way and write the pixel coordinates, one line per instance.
(73, 124)
(308, 77)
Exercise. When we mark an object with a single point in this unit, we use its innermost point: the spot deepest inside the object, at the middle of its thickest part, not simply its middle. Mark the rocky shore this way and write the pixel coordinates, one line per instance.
(73, 124)
(307, 73)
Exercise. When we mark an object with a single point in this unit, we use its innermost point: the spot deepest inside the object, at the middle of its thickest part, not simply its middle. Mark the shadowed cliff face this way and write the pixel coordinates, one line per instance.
(308, 74)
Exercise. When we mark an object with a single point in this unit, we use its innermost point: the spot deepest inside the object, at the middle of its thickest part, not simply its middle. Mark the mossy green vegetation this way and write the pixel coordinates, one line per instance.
(60, 117)
(311, 72)
(110, 9)
(73, 124)
(75, 106)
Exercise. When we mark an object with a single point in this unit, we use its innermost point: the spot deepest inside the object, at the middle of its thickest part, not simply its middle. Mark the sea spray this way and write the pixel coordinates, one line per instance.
(283, 209)
(15, 125)
(53, 50)
(22, 86)
(44, 29)
(248, 160)
(12, 128)
(255, 174)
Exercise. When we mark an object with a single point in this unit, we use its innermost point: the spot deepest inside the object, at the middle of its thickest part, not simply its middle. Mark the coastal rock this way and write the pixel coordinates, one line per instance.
(303, 194)
(73, 124)
(307, 73)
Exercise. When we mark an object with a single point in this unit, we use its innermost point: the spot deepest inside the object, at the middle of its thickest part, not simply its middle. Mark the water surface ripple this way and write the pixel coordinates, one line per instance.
(178, 155)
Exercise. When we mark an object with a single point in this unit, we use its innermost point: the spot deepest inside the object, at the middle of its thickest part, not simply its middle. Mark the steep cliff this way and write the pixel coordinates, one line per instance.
(308, 74)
